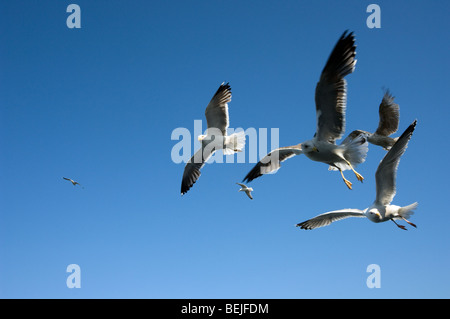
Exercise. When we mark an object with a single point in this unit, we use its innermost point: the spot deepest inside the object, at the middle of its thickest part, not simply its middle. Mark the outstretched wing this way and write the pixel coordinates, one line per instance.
(331, 96)
(249, 194)
(386, 174)
(389, 116)
(272, 161)
(217, 110)
(330, 217)
(192, 169)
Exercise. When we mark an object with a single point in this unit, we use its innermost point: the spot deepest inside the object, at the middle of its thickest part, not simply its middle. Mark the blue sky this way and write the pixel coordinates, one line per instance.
(99, 104)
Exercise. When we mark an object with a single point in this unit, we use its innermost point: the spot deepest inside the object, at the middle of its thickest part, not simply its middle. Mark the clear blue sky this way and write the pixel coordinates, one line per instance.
(99, 104)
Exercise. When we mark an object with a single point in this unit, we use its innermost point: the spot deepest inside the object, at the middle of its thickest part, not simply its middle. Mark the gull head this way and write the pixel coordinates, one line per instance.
(374, 215)
(309, 146)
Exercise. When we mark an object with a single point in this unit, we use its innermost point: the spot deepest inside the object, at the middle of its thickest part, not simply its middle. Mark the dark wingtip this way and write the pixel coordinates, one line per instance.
(410, 128)
(408, 132)
(303, 225)
(254, 173)
(342, 59)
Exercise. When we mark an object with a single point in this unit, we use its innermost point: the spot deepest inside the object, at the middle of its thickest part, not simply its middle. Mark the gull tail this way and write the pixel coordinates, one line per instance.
(356, 150)
(234, 143)
(407, 211)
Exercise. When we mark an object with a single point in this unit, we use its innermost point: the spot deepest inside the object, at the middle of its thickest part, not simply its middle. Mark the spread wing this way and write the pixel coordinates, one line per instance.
(389, 116)
(331, 96)
(217, 110)
(385, 176)
(272, 161)
(192, 169)
(330, 217)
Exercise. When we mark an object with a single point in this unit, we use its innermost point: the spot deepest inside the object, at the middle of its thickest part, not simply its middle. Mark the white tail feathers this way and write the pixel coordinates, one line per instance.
(356, 150)
(407, 211)
(234, 143)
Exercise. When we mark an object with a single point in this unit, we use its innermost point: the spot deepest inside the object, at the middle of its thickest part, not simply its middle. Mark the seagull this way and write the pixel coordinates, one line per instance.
(389, 113)
(72, 181)
(381, 210)
(246, 189)
(330, 98)
(216, 138)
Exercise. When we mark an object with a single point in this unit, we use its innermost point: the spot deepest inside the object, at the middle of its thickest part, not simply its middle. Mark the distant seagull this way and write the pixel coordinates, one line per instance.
(385, 177)
(389, 113)
(216, 138)
(246, 189)
(331, 101)
(73, 182)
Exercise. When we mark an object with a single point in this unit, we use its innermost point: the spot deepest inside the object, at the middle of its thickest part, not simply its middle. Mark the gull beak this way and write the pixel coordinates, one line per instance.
(201, 137)
(315, 149)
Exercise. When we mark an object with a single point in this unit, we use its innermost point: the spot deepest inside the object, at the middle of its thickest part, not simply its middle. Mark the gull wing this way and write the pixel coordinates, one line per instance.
(386, 174)
(331, 91)
(217, 110)
(330, 217)
(389, 112)
(272, 161)
(192, 169)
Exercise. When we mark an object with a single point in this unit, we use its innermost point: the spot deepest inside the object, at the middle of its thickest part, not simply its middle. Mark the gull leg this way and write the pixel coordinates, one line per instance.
(412, 224)
(358, 176)
(346, 181)
(399, 226)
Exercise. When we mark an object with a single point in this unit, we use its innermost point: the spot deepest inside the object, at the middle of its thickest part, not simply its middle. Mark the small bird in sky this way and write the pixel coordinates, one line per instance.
(246, 189)
(72, 181)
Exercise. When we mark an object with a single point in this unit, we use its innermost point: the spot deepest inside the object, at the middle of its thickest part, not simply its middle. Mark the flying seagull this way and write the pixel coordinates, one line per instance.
(246, 189)
(216, 137)
(330, 98)
(389, 113)
(385, 177)
(72, 181)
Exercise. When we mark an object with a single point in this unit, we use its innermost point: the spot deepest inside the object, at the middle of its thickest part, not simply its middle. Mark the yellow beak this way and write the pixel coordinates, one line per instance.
(315, 149)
